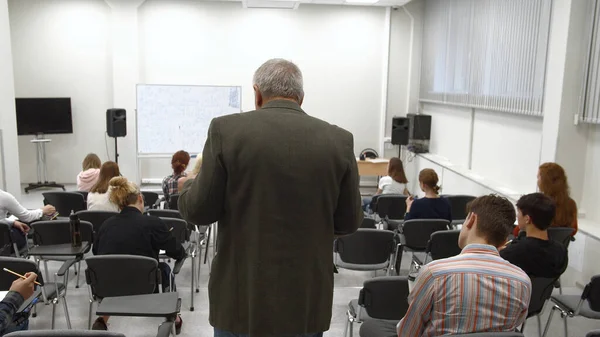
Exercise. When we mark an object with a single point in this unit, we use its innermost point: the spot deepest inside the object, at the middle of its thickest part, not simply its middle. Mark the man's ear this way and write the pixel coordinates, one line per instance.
(471, 220)
(258, 99)
(528, 220)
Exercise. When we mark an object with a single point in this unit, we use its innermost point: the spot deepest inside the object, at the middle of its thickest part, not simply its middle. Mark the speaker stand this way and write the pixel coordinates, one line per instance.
(116, 152)
(42, 172)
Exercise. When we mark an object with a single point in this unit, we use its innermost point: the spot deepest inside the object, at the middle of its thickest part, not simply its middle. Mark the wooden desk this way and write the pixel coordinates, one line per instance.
(376, 167)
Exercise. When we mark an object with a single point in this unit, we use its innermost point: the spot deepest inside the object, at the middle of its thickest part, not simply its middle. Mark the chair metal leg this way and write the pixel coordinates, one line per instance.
(192, 286)
(199, 262)
(64, 300)
(53, 314)
(34, 311)
(549, 320)
(565, 317)
(539, 321)
(90, 315)
(46, 270)
(347, 326)
(208, 230)
(351, 328)
(78, 272)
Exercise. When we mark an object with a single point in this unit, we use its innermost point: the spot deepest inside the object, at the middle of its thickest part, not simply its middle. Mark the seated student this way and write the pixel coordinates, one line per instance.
(179, 163)
(19, 216)
(192, 176)
(536, 254)
(98, 198)
(133, 233)
(476, 291)
(431, 206)
(87, 178)
(20, 290)
(394, 183)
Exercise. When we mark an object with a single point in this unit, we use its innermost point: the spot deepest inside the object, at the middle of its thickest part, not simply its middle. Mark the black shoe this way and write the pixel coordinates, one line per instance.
(178, 325)
(99, 324)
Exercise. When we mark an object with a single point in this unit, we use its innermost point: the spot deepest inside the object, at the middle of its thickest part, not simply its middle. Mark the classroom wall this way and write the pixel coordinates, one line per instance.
(64, 48)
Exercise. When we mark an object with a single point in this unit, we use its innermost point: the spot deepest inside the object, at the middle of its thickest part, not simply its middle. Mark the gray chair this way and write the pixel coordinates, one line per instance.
(593, 333)
(120, 275)
(365, 250)
(414, 237)
(48, 293)
(382, 298)
(179, 229)
(390, 207)
(96, 218)
(587, 305)
(458, 205)
(564, 236)
(378, 328)
(65, 202)
(443, 244)
(64, 333)
(541, 290)
(59, 232)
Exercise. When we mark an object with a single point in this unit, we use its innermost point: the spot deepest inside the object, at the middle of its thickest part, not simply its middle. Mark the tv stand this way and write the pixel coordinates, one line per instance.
(42, 172)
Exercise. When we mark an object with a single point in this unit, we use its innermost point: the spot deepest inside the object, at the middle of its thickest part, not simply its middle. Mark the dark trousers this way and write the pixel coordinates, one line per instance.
(165, 275)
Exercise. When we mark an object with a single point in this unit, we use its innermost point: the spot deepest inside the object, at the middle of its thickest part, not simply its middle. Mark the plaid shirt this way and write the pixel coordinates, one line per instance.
(476, 291)
(169, 184)
(8, 307)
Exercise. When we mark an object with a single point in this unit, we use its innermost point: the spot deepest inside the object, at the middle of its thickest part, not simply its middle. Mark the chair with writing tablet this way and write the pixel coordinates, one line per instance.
(65, 202)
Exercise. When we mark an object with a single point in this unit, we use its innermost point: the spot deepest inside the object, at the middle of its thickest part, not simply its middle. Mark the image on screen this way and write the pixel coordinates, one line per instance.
(43, 115)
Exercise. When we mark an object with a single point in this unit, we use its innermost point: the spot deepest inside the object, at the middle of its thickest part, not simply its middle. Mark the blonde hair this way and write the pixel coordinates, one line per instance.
(123, 192)
(91, 161)
(197, 165)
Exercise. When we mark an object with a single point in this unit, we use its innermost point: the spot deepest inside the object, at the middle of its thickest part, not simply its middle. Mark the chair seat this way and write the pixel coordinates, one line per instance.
(570, 302)
(353, 307)
(378, 328)
(361, 267)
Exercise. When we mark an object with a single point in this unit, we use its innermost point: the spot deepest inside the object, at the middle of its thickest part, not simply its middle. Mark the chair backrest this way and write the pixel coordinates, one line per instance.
(443, 244)
(365, 246)
(561, 235)
(368, 223)
(458, 204)
(150, 198)
(385, 297)
(178, 228)
(96, 218)
(417, 232)
(6, 241)
(59, 232)
(64, 333)
(19, 266)
(391, 206)
(83, 193)
(165, 213)
(174, 201)
(541, 290)
(121, 275)
(65, 202)
(592, 293)
(593, 333)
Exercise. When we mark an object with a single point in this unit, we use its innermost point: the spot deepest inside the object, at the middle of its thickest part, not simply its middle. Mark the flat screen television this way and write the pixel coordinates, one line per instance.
(43, 115)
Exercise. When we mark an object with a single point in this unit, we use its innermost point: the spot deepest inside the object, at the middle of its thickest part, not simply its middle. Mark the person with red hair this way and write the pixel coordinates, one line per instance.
(179, 163)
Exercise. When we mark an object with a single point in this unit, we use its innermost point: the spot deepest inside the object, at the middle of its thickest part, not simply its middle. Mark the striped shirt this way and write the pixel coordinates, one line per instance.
(476, 291)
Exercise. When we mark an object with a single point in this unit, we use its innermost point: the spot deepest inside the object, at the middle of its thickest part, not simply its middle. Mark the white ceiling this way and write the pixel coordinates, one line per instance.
(293, 4)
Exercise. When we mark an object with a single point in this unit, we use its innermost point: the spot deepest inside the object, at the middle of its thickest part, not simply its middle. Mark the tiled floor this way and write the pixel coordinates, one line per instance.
(347, 286)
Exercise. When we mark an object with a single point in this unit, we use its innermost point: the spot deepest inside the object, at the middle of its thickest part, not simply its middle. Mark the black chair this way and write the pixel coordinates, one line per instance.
(587, 305)
(458, 204)
(443, 244)
(59, 232)
(390, 206)
(48, 293)
(368, 223)
(96, 218)
(151, 199)
(8, 247)
(367, 249)
(174, 201)
(593, 333)
(562, 235)
(414, 238)
(85, 195)
(381, 298)
(165, 213)
(541, 290)
(65, 333)
(105, 275)
(65, 202)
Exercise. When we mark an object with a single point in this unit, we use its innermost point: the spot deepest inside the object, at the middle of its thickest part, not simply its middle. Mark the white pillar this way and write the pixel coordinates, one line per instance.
(126, 74)
(563, 141)
(8, 118)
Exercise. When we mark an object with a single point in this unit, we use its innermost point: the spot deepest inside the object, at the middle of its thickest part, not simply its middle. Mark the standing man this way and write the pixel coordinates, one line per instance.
(282, 185)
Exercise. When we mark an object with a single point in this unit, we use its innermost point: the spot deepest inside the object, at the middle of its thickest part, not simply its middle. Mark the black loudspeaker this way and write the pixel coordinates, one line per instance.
(400, 128)
(116, 123)
(420, 127)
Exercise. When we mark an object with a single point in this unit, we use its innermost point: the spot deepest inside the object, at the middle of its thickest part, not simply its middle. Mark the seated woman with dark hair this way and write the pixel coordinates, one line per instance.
(133, 233)
(394, 183)
(431, 206)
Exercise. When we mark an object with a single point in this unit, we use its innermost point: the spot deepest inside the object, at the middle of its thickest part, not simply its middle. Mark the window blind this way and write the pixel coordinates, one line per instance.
(487, 54)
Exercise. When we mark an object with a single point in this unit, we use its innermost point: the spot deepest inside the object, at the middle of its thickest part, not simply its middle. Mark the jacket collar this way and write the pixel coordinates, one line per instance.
(130, 210)
(475, 248)
(283, 104)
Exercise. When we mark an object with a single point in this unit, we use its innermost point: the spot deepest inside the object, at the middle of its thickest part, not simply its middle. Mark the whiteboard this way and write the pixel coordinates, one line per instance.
(176, 117)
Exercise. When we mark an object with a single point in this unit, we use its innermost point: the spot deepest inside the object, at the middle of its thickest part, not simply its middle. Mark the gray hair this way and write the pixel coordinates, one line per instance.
(279, 78)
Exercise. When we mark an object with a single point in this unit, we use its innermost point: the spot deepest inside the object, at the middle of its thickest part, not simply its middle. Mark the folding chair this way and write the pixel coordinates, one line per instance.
(414, 238)
(120, 275)
(48, 293)
(96, 218)
(383, 298)
(365, 250)
(541, 290)
(59, 232)
(65, 202)
(587, 305)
